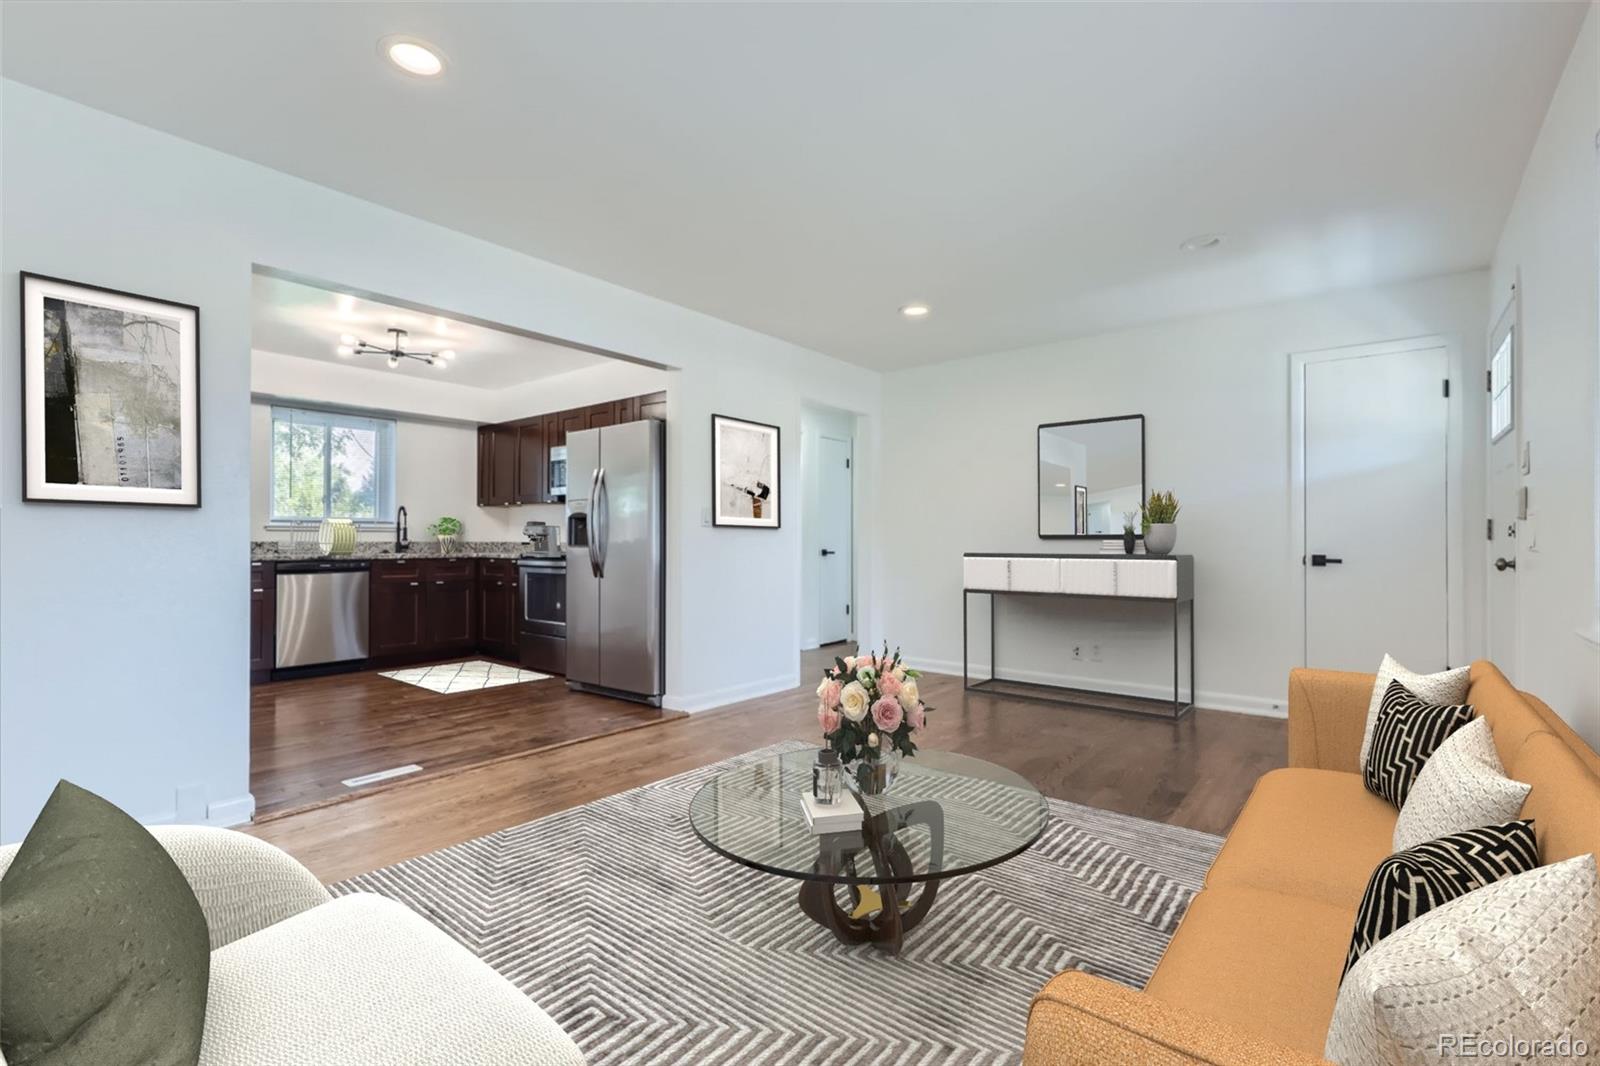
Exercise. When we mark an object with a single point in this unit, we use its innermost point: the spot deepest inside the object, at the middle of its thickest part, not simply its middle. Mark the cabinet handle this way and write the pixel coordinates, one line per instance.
(438, 582)
(414, 584)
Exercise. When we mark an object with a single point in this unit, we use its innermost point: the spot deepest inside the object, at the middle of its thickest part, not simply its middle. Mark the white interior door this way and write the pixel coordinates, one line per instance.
(1505, 486)
(834, 569)
(1376, 476)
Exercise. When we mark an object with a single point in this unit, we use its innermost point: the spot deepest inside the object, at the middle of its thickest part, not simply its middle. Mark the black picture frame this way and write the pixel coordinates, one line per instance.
(1038, 457)
(36, 484)
(775, 494)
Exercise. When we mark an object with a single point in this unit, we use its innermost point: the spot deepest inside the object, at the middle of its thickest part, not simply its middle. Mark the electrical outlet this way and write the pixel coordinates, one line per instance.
(1094, 653)
(1077, 652)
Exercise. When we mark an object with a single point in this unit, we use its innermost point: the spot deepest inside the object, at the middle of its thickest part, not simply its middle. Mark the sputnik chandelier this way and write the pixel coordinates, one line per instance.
(350, 345)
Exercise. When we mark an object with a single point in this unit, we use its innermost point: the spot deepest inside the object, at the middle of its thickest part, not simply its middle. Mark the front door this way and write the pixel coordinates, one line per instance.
(1376, 469)
(834, 569)
(1505, 488)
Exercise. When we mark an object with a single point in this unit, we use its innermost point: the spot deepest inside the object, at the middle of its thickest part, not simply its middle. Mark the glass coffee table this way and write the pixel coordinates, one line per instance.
(944, 815)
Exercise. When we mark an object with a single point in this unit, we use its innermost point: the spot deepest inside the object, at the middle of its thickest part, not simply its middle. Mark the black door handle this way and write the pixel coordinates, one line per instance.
(829, 551)
(1325, 560)
(1505, 564)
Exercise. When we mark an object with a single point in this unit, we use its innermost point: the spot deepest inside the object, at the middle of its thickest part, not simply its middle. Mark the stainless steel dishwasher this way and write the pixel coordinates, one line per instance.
(322, 612)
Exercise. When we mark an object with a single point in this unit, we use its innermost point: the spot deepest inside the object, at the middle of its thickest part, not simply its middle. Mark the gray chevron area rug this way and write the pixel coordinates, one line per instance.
(647, 947)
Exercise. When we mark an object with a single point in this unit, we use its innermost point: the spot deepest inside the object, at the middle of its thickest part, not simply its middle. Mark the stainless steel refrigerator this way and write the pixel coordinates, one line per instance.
(616, 560)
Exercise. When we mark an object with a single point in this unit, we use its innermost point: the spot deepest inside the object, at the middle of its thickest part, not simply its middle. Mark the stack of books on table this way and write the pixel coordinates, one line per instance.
(842, 816)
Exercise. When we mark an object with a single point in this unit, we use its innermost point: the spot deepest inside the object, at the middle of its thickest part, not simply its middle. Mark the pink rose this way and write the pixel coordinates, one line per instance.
(889, 685)
(918, 716)
(888, 714)
(829, 719)
(830, 693)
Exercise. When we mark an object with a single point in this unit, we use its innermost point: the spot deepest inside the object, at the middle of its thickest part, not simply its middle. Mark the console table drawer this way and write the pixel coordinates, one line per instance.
(1155, 579)
(1089, 577)
(986, 572)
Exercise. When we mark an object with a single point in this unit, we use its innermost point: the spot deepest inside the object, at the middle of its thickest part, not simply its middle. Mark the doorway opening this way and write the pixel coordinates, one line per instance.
(828, 601)
(1375, 491)
(411, 522)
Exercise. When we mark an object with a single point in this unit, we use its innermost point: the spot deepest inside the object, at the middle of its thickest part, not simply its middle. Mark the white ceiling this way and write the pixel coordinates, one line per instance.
(300, 320)
(805, 169)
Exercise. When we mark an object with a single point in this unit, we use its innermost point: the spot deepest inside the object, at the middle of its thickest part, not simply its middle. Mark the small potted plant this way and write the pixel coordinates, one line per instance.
(446, 530)
(1130, 521)
(1160, 516)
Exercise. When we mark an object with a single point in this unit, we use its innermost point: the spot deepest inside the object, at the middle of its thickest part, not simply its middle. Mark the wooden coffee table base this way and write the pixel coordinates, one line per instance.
(885, 920)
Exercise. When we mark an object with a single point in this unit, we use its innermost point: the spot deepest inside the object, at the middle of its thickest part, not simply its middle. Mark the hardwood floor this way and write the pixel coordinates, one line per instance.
(309, 735)
(1195, 773)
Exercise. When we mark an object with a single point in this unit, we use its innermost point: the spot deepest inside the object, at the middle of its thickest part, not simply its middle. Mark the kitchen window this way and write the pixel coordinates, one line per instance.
(329, 464)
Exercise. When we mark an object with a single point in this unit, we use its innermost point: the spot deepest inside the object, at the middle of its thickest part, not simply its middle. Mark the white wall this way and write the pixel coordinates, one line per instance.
(1550, 239)
(436, 432)
(816, 423)
(959, 442)
(124, 631)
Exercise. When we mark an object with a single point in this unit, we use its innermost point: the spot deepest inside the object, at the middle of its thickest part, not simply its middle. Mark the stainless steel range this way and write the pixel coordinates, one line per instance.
(542, 625)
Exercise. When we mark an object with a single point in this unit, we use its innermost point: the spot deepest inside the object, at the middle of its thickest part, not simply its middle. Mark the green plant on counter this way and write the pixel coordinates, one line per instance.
(1162, 507)
(446, 527)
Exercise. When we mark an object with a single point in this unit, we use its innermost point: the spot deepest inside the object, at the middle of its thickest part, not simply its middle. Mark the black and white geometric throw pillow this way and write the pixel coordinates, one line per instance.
(1407, 731)
(1410, 883)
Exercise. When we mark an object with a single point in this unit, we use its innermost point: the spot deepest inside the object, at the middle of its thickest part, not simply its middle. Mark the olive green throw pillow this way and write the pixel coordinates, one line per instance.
(104, 954)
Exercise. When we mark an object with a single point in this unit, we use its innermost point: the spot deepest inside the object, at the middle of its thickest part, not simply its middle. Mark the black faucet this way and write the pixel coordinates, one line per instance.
(402, 541)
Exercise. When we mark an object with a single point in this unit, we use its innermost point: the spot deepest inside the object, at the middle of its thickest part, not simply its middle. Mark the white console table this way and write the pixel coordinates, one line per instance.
(1153, 578)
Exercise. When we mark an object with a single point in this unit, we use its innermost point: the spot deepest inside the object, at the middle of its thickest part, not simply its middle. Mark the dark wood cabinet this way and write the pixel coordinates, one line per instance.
(653, 405)
(514, 457)
(452, 612)
(532, 458)
(600, 415)
(497, 607)
(263, 620)
(398, 619)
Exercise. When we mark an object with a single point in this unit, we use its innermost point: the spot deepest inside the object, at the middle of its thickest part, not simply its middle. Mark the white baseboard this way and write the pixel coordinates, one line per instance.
(230, 812)
(1266, 707)
(694, 703)
(226, 814)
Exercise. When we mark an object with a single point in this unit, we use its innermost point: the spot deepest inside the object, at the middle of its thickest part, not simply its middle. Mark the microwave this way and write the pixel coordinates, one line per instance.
(558, 471)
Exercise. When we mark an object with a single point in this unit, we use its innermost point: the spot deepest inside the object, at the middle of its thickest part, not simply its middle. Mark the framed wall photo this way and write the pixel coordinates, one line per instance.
(110, 396)
(745, 461)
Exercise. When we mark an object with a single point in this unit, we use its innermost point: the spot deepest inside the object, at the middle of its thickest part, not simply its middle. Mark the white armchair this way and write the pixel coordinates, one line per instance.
(299, 977)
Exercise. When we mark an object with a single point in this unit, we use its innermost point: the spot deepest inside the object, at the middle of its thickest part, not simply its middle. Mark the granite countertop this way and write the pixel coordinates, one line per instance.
(282, 550)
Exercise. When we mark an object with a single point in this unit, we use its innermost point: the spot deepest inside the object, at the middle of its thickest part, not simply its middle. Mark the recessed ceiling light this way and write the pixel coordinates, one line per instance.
(1061, 484)
(914, 310)
(1201, 242)
(415, 57)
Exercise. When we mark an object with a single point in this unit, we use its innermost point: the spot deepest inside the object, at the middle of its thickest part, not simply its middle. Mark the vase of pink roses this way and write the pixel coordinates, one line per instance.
(872, 714)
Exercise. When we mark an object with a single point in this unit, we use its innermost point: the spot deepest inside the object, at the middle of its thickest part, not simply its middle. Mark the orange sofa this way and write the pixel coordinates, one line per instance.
(1252, 973)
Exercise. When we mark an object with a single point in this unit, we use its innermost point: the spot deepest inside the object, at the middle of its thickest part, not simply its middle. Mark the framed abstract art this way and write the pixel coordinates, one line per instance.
(110, 396)
(745, 461)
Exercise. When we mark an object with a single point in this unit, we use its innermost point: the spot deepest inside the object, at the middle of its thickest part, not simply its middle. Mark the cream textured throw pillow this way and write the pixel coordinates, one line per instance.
(1508, 972)
(1460, 787)
(1448, 687)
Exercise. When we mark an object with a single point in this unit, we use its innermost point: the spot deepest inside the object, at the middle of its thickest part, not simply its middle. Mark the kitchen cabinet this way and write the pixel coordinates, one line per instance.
(263, 620)
(653, 405)
(601, 414)
(451, 605)
(514, 457)
(532, 459)
(497, 607)
(398, 624)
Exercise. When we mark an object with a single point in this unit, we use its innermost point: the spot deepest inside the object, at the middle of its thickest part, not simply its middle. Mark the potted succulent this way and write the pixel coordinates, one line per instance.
(1160, 516)
(446, 530)
(1129, 521)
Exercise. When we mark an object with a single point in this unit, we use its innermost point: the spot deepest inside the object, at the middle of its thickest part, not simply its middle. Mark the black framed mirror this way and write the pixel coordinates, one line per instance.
(1091, 473)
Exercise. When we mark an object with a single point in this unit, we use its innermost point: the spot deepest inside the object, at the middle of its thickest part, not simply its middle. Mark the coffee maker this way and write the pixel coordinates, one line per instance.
(543, 538)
